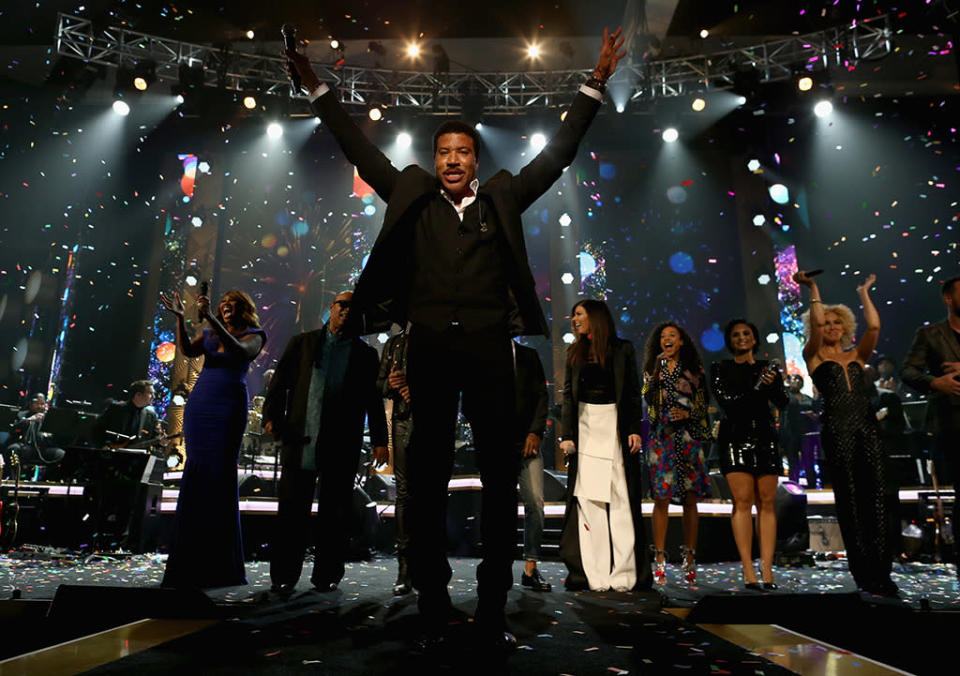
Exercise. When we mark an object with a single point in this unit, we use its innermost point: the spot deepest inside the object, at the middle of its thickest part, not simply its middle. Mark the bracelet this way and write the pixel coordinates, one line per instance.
(815, 300)
(596, 83)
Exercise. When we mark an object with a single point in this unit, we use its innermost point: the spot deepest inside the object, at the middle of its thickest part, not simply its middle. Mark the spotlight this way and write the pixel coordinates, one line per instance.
(274, 130)
(753, 164)
(779, 193)
(174, 460)
(538, 141)
(121, 108)
(375, 114)
(567, 278)
(621, 107)
(533, 51)
(250, 35)
(704, 33)
(249, 102)
(478, 126)
(773, 338)
(568, 338)
(763, 279)
(823, 109)
(334, 44)
(805, 83)
(404, 140)
(563, 115)
(413, 50)
(178, 400)
(670, 135)
(759, 220)
(565, 220)
(698, 104)
(180, 98)
(140, 83)
(191, 280)
(382, 338)
(741, 100)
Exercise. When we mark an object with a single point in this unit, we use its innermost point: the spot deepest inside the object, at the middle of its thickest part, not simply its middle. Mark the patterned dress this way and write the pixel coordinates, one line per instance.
(675, 448)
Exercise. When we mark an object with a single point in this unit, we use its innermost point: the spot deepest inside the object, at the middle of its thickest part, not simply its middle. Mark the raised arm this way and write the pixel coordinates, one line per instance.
(190, 348)
(815, 338)
(373, 166)
(541, 172)
(870, 337)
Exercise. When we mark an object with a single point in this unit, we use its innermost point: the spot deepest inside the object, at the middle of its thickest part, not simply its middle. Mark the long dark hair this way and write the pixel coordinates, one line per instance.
(603, 334)
(728, 331)
(689, 357)
(248, 311)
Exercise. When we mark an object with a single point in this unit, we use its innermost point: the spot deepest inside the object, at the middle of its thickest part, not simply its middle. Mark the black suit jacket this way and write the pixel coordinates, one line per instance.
(382, 293)
(285, 405)
(117, 418)
(531, 393)
(933, 345)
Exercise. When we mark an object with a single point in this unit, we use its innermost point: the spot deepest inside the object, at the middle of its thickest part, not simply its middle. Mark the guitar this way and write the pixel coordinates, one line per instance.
(8, 517)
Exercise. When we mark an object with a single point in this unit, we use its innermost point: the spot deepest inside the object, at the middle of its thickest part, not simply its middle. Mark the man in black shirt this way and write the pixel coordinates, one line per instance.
(124, 422)
(933, 368)
(450, 259)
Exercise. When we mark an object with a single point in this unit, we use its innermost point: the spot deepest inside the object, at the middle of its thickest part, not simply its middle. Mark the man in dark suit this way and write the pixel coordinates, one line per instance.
(324, 386)
(531, 421)
(933, 368)
(451, 259)
(125, 422)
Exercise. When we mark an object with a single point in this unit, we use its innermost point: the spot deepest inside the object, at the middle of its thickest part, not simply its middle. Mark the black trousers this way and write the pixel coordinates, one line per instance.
(442, 366)
(334, 489)
(402, 429)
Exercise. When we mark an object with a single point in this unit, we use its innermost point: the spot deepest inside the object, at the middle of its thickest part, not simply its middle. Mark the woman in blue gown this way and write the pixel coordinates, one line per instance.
(207, 549)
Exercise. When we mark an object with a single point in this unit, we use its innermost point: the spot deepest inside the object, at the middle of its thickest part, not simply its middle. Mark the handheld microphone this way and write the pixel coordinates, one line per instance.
(772, 367)
(204, 291)
(289, 33)
(814, 273)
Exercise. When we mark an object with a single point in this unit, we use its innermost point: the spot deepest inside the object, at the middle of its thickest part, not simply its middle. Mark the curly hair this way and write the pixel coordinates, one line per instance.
(689, 356)
(847, 318)
(603, 334)
(245, 306)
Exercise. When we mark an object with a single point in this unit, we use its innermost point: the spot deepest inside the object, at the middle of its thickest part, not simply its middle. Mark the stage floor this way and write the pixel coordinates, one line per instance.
(361, 628)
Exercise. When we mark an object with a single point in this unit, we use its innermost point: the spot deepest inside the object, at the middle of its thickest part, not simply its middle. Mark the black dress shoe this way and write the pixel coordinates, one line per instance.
(401, 588)
(753, 586)
(535, 582)
(282, 589)
(324, 587)
(502, 642)
(770, 586)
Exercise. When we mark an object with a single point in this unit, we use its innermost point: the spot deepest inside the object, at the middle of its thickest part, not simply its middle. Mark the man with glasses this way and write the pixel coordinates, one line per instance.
(324, 386)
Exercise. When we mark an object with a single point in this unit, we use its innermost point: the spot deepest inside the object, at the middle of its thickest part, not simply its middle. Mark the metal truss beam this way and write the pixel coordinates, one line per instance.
(507, 93)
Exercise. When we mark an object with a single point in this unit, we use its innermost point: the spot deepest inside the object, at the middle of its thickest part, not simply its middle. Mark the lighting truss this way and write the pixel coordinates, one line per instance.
(506, 93)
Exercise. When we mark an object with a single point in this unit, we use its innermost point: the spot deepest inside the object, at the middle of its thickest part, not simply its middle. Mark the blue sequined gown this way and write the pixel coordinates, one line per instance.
(207, 548)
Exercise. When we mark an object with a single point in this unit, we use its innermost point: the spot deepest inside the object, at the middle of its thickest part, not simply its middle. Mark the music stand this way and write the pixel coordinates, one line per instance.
(61, 425)
(8, 416)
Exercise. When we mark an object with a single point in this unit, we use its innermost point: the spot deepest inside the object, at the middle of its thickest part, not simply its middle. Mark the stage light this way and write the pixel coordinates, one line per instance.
(805, 83)
(753, 165)
(121, 108)
(704, 33)
(759, 220)
(190, 280)
(180, 98)
(823, 109)
(166, 352)
(196, 221)
(375, 114)
(274, 130)
(773, 338)
(563, 115)
(249, 102)
(741, 100)
(670, 135)
(404, 140)
(779, 193)
(413, 50)
(334, 44)
(565, 220)
(140, 83)
(567, 278)
(621, 107)
(533, 51)
(178, 400)
(250, 35)
(568, 338)
(382, 338)
(478, 126)
(698, 104)
(538, 141)
(763, 279)
(174, 460)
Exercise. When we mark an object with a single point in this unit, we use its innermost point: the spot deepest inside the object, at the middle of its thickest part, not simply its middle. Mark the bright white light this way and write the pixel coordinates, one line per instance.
(698, 104)
(196, 221)
(568, 338)
(478, 126)
(621, 107)
(563, 115)
(191, 280)
(250, 35)
(823, 108)
(404, 140)
(274, 130)
(670, 135)
(779, 193)
(753, 165)
(375, 114)
(249, 102)
(565, 219)
(180, 99)
(567, 278)
(178, 400)
(382, 338)
(704, 33)
(533, 51)
(121, 108)
(413, 50)
(538, 141)
(741, 100)
(805, 83)
(334, 44)
(773, 338)
(763, 279)
(203, 167)
(140, 83)
(759, 220)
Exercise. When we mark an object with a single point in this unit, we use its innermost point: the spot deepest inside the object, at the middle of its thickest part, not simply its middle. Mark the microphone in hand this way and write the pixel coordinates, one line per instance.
(769, 370)
(289, 33)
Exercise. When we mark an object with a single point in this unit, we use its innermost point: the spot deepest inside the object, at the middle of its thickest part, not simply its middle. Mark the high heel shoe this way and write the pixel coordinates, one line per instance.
(659, 565)
(689, 564)
(752, 586)
(771, 585)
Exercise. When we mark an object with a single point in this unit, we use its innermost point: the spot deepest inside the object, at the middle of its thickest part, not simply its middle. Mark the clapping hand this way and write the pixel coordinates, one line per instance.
(867, 283)
(175, 305)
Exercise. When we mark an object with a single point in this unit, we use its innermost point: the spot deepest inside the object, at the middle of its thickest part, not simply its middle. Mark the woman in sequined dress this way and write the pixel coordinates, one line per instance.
(849, 434)
(675, 388)
(747, 389)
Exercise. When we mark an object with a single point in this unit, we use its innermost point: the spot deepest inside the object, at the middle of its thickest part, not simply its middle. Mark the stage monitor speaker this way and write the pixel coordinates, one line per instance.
(771, 608)
(250, 485)
(101, 607)
(790, 506)
(719, 488)
(381, 487)
(825, 534)
(554, 486)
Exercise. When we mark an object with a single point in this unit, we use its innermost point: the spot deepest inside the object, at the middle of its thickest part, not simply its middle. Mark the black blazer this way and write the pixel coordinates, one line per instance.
(116, 418)
(531, 393)
(382, 293)
(933, 345)
(629, 396)
(285, 404)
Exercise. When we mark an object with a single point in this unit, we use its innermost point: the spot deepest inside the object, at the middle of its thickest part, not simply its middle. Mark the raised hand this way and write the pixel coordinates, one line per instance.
(867, 283)
(801, 277)
(300, 63)
(175, 305)
(610, 54)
